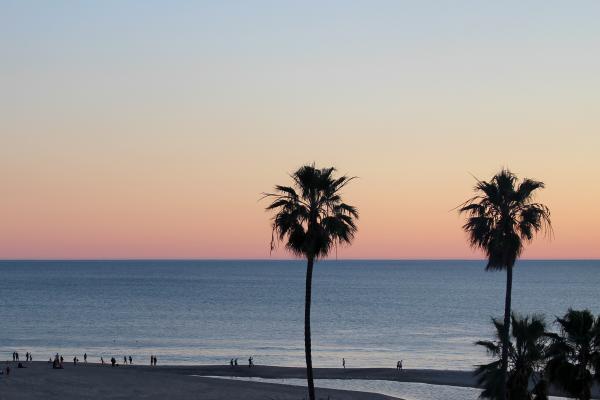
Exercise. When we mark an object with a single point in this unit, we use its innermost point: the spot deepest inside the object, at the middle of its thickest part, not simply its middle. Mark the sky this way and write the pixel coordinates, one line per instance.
(150, 129)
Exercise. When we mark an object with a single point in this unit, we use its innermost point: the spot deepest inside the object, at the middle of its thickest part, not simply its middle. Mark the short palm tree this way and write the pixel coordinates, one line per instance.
(311, 219)
(526, 356)
(501, 217)
(575, 353)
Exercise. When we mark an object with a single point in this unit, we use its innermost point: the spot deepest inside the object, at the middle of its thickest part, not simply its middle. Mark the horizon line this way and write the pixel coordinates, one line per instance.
(285, 259)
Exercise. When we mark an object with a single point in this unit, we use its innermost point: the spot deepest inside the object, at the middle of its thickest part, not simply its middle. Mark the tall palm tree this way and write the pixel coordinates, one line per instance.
(502, 216)
(311, 219)
(526, 356)
(575, 353)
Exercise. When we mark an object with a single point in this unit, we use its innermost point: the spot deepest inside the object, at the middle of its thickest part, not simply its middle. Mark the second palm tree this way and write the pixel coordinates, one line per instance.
(501, 217)
(311, 219)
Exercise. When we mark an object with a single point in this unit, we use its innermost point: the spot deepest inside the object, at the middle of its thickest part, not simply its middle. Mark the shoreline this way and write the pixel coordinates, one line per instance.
(427, 376)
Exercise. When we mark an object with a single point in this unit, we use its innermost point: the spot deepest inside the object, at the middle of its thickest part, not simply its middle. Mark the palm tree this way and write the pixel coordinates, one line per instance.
(502, 216)
(575, 354)
(311, 218)
(526, 356)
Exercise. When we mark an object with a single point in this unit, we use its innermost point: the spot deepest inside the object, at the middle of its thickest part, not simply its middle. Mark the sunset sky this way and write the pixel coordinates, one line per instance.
(149, 130)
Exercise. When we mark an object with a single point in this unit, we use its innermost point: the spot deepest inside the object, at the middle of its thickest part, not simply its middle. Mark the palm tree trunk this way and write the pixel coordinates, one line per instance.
(307, 345)
(506, 333)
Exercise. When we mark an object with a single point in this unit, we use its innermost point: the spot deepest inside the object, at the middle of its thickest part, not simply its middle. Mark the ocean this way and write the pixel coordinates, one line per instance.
(372, 313)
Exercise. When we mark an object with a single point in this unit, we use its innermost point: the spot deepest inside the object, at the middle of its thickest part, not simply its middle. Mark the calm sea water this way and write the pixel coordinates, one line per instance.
(373, 313)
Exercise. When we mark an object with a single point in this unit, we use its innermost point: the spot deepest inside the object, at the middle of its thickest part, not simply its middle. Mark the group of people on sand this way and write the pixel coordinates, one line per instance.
(58, 362)
(113, 361)
(15, 356)
(398, 364)
(234, 362)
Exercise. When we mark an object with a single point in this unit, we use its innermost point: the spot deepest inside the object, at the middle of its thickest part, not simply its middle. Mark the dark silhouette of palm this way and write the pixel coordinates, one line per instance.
(502, 216)
(574, 360)
(311, 219)
(527, 350)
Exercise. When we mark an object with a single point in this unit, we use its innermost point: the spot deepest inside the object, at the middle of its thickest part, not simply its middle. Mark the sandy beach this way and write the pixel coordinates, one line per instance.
(94, 381)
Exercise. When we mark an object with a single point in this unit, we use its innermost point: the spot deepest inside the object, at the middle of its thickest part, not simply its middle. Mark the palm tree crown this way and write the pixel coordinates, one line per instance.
(312, 215)
(502, 216)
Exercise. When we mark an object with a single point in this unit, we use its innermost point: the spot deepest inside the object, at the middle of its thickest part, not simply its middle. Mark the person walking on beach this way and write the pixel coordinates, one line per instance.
(102, 360)
(130, 360)
(235, 362)
(344, 363)
(231, 362)
(151, 360)
(250, 363)
(85, 358)
(399, 365)
(124, 360)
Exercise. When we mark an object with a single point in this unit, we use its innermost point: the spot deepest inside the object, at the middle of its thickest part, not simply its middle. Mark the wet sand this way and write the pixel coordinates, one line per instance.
(435, 377)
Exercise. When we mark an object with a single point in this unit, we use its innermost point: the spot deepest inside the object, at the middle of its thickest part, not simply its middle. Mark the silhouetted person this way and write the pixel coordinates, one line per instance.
(125, 360)
(344, 363)
(85, 358)
(113, 361)
(7, 370)
(74, 360)
(235, 362)
(130, 360)
(250, 363)
(17, 354)
(14, 356)
(62, 360)
(400, 365)
(102, 360)
(231, 362)
(155, 361)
